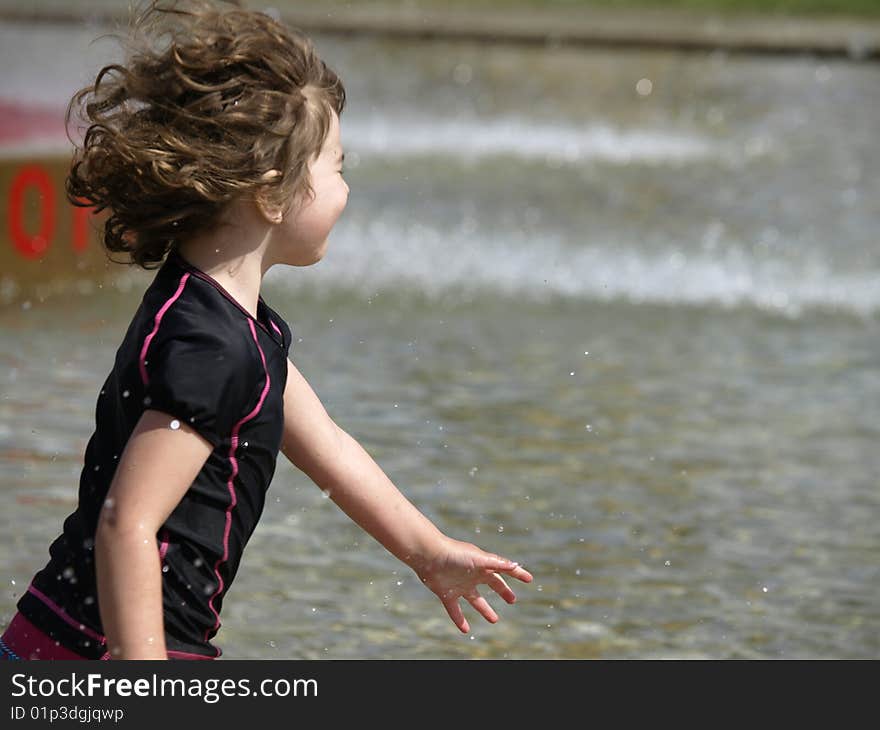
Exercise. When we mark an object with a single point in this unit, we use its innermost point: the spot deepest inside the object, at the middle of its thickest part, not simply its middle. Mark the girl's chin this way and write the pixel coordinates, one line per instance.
(301, 258)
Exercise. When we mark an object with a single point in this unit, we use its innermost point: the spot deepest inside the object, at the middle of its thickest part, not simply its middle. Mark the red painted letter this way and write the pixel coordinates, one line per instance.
(31, 246)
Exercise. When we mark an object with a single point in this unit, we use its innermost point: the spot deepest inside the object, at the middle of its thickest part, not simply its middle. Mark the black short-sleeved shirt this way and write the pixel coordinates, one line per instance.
(193, 352)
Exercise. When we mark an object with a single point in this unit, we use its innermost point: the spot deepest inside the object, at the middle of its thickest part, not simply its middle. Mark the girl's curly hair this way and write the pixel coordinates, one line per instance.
(211, 103)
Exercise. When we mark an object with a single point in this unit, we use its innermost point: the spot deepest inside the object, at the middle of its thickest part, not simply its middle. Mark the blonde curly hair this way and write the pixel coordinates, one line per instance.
(212, 102)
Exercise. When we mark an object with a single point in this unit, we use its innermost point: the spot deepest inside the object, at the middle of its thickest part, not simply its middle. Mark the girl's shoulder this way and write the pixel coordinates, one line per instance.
(186, 307)
(197, 357)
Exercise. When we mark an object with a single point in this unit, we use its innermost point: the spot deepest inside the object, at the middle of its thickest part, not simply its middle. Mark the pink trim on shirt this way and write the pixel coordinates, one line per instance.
(163, 545)
(58, 611)
(142, 363)
(186, 655)
(230, 485)
(171, 654)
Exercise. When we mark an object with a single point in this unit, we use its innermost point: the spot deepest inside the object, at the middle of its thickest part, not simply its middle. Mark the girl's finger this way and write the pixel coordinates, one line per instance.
(483, 607)
(518, 572)
(497, 584)
(496, 562)
(455, 613)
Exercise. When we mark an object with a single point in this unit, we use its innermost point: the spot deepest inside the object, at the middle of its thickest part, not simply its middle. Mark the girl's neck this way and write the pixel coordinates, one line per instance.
(234, 256)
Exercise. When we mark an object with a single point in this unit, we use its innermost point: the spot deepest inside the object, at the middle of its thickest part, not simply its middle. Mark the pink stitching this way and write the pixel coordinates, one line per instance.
(69, 620)
(157, 321)
(230, 485)
(186, 655)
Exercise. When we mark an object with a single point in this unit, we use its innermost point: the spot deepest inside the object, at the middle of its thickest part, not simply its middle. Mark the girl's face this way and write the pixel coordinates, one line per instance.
(300, 239)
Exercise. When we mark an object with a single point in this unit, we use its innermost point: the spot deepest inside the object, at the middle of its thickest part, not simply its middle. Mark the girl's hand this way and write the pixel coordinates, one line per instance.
(456, 570)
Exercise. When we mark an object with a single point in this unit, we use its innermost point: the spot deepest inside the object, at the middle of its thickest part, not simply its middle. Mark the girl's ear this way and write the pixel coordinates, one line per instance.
(272, 212)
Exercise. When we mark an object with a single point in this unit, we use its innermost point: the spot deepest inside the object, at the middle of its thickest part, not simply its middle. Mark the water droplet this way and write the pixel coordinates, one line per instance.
(589, 427)
(125, 394)
(577, 572)
(667, 563)
(244, 445)
(88, 600)
(325, 493)
(97, 467)
(271, 644)
(400, 582)
(462, 74)
(174, 425)
(644, 87)
(108, 503)
(147, 400)
(151, 640)
(12, 581)
(477, 529)
(473, 470)
(164, 568)
(764, 589)
(314, 610)
(198, 562)
(572, 372)
(500, 528)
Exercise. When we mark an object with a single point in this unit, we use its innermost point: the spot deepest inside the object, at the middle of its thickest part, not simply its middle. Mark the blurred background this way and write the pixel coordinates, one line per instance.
(605, 299)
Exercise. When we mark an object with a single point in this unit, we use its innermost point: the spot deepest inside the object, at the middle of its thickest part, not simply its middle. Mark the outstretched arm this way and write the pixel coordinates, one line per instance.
(338, 464)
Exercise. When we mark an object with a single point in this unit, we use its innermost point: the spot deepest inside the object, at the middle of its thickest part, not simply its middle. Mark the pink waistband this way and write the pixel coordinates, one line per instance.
(28, 642)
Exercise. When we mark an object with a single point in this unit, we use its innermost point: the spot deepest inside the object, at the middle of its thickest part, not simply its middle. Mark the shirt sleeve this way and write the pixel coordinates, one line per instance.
(201, 380)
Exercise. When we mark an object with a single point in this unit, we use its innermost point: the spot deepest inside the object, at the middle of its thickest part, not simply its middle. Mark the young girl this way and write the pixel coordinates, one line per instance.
(215, 152)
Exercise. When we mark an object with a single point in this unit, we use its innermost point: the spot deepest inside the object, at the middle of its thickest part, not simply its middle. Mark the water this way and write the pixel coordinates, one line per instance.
(628, 340)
